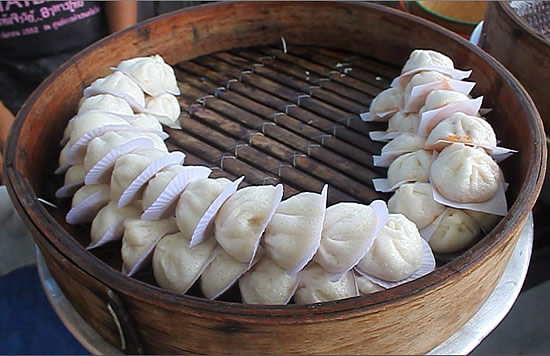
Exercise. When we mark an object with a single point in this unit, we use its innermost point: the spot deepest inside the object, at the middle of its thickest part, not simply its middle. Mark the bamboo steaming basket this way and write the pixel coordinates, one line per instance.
(315, 137)
(521, 49)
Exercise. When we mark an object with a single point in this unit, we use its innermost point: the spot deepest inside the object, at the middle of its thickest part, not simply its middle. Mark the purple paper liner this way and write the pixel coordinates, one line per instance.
(68, 190)
(63, 162)
(101, 171)
(208, 217)
(86, 210)
(173, 191)
(170, 159)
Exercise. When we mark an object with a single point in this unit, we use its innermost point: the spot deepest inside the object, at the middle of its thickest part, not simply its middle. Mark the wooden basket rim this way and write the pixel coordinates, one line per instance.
(513, 222)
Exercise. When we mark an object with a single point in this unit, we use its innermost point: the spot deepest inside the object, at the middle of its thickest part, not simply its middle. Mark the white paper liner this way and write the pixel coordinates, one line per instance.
(383, 116)
(428, 231)
(278, 195)
(86, 210)
(97, 89)
(62, 169)
(427, 266)
(499, 154)
(172, 158)
(420, 92)
(386, 158)
(233, 273)
(496, 205)
(382, 214)
(210, 213)
(171, 193)
(453, 73)
(485, 111)
(312, 252)
(431, 118)
(381, 211)
(383, 136)
(382, 184)
(101, 171)
(68, 190)
(148, 255)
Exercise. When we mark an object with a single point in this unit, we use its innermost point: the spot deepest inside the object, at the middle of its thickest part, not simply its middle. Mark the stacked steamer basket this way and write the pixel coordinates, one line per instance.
(441, 153)
(516, 34)
(297, 108)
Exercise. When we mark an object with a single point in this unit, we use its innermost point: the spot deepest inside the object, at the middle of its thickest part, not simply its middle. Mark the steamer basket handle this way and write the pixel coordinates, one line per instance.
(129, 339)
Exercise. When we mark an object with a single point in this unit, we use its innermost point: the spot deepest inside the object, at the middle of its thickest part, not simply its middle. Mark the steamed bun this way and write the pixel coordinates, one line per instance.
(294, 233)
(422, 58)
(465, 174)
(348, 232)
(463, 128)
(416, 202)
(316, 286)
(242, 220)
(397, 251)
(267, 283)
(456, 231)
(402, 122)
(387, 100)
(410, 167)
